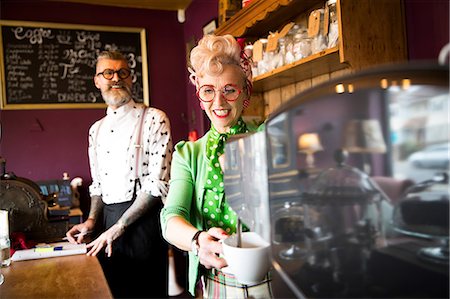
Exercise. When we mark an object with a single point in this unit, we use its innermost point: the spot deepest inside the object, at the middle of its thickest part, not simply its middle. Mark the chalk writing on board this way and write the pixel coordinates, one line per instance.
(49, 64)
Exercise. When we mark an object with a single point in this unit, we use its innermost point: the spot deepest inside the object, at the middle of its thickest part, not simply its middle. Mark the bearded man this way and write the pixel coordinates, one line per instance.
(130, 150)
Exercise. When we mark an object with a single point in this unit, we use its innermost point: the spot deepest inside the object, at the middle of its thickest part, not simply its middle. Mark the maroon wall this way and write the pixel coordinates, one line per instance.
(42, 144)
(427, 23)
(199, 13)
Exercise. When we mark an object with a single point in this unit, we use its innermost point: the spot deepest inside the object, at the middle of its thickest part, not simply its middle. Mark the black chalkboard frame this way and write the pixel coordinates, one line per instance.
(141, 63)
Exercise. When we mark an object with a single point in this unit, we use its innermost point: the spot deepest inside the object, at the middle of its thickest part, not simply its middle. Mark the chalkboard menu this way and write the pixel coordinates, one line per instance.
(49, 65)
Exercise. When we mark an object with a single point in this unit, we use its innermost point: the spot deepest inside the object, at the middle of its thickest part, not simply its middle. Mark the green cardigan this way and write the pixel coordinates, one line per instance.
(188, 177)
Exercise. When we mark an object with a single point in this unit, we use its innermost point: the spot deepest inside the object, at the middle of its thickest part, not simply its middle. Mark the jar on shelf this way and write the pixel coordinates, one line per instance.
(289, 57)
(302, 44)
(269, 59)
(281, 54)
(333, 31)
(273, 54)
(264, 65)
(319, 39)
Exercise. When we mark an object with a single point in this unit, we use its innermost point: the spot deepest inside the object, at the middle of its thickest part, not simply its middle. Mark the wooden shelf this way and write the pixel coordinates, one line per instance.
(320, 63)
(260, 16)
(370, 32)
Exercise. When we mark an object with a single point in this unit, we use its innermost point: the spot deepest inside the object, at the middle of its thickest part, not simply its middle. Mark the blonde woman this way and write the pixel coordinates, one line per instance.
(196, 214)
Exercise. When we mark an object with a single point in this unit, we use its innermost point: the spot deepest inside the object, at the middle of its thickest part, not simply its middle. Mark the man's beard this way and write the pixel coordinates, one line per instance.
(117, 97)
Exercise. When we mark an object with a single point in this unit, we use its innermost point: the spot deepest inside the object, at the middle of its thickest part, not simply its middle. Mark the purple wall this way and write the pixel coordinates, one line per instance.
(42, 144)
(199, 13)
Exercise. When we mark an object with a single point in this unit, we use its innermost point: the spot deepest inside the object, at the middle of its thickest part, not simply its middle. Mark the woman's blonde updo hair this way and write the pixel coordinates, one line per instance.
(214, 52)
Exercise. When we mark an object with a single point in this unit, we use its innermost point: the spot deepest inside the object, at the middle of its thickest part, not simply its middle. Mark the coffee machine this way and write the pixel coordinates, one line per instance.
(245, 179)
(330, 226)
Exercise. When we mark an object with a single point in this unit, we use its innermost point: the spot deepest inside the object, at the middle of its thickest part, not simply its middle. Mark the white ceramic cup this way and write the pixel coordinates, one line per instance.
(249, 263)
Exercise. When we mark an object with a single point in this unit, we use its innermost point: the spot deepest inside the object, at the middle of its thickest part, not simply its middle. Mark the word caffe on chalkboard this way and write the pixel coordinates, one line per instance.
(52, 66)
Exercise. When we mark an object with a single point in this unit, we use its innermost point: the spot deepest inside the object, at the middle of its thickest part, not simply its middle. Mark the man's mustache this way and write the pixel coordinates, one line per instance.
(119, 85)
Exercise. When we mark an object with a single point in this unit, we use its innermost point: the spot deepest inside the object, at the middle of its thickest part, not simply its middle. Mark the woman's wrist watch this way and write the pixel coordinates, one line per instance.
(195, 246)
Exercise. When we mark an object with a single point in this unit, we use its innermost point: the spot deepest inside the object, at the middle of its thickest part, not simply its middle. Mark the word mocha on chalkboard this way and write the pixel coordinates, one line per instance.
(52, 65)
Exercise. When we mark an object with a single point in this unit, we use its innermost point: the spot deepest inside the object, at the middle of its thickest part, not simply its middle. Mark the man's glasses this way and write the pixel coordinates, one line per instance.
(108, 74)
(229, 92)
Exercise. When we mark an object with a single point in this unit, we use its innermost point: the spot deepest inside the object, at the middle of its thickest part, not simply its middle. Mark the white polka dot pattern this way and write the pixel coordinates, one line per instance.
(216, 210)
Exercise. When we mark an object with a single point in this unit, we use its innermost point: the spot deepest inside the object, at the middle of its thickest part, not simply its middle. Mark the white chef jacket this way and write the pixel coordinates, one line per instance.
(116, 159)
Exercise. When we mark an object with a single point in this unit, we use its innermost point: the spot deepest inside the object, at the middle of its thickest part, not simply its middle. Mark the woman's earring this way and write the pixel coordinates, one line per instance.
(247, 99)
(246, 102)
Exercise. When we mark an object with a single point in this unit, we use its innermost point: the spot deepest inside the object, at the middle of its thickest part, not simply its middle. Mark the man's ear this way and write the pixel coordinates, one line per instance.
(96, 83)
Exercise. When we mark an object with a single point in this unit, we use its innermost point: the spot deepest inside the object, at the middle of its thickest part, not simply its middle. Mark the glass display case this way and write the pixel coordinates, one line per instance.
(245, 180)
(318, 216)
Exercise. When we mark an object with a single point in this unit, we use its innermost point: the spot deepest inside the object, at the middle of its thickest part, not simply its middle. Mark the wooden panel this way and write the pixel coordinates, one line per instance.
(273, 100)
(76, 276)
(340, 73)
(266, 108)
(255, 109)
(372, 32)
(287, 92)
(320, 79)
(302, 86)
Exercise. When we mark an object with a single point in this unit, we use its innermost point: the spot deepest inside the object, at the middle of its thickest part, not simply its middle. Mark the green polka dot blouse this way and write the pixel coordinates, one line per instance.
(216, 211)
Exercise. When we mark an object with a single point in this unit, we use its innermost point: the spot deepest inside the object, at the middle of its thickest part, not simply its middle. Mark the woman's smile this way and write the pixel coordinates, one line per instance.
(222, 113)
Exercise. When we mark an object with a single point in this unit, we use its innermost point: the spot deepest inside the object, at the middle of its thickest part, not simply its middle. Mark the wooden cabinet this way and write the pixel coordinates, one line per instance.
(371, 32)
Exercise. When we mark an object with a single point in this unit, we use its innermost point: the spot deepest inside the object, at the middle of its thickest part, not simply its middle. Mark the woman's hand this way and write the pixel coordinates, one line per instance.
(211, 248)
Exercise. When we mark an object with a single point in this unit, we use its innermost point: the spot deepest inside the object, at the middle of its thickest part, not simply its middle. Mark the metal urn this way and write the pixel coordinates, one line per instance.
(343, 224)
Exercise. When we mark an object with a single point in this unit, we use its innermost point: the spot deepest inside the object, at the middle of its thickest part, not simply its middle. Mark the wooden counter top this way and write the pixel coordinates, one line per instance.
(75, 276)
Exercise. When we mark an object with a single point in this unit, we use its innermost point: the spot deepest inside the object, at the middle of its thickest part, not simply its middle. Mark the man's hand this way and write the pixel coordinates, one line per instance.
(105, 240)
(77, 233)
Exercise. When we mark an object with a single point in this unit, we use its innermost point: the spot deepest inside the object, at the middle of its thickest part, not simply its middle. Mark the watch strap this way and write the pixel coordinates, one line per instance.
(195, 246)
